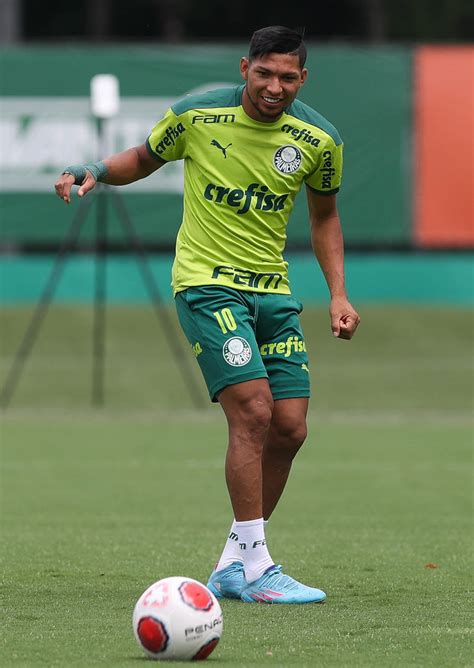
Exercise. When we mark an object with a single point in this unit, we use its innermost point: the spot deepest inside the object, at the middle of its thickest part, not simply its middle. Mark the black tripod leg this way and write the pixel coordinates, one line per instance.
(100, 299)
(180, 355)
(43, 304)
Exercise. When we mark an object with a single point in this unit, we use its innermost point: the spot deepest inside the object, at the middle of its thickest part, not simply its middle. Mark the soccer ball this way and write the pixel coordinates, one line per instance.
(177, 618)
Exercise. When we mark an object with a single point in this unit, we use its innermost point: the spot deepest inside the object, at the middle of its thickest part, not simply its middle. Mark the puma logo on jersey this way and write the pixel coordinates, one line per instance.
(215, 143)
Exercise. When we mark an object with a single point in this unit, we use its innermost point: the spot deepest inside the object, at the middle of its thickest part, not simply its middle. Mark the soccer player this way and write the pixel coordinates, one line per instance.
(247, 152)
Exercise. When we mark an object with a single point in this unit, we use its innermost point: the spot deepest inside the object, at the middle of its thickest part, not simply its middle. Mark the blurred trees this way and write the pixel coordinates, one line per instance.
(431, 20)
(179, 20)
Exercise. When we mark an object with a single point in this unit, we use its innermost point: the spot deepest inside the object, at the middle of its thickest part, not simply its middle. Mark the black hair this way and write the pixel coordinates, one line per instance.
(278, 39)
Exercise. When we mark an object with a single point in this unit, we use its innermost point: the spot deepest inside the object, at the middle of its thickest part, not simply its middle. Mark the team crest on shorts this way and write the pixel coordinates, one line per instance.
(237, 351)
(287, 159)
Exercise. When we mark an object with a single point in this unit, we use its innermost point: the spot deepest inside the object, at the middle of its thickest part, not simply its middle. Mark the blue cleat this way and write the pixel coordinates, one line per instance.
(228, 582)
(276, 587)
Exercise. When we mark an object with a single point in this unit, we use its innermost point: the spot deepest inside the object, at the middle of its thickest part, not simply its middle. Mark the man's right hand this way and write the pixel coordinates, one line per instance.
(66, 181)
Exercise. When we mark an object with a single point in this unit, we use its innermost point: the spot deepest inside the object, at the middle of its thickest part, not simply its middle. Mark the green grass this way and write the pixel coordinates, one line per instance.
(97, 504)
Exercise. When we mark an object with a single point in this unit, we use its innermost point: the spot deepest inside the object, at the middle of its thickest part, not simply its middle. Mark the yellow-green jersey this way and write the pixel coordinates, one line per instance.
(241, 178)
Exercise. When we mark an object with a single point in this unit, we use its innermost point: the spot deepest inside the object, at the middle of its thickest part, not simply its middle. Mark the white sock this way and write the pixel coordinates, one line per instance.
(253, 548)
(231, 551)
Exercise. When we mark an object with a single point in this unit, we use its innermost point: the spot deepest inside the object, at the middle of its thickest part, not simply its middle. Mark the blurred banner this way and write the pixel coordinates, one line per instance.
(365, 92)
(444, 132)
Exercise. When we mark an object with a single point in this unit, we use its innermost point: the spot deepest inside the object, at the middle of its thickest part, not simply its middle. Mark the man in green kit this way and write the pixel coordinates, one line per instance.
(247, 152)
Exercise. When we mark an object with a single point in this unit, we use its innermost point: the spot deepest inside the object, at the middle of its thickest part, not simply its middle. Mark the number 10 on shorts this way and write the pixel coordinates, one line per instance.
(226, 320)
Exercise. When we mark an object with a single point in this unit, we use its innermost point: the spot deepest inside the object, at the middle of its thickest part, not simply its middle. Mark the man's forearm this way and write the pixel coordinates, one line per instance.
(117, 170)
(328, 246)
(127, 167)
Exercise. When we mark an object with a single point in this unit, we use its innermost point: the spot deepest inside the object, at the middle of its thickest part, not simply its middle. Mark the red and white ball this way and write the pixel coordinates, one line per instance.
(177, 618)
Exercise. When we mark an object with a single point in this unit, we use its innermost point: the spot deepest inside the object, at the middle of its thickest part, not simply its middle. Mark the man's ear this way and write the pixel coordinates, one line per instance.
(244, 67)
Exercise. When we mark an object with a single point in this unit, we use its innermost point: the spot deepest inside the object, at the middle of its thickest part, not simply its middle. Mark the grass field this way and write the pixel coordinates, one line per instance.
(99, 503)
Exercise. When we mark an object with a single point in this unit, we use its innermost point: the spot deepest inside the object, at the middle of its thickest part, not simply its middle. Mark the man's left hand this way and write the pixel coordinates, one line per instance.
(344, 318)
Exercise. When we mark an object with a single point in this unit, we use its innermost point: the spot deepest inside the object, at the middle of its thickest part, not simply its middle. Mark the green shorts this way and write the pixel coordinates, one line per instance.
(238, 336)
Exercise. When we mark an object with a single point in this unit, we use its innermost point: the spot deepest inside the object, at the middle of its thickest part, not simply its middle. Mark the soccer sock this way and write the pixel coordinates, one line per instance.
(231, 550)
(253, 548)
(246, 543)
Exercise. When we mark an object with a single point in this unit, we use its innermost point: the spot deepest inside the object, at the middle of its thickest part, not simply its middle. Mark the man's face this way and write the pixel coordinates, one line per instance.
(273, 82)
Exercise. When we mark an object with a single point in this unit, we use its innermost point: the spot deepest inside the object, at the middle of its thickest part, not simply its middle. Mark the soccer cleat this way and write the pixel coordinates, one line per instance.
(228, 582)
(276, 587)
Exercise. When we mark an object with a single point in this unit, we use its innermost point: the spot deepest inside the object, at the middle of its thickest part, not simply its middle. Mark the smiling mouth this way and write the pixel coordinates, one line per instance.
(271, 100)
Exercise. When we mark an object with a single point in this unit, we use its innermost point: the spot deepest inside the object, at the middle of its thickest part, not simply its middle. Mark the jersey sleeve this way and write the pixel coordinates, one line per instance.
(167, 141)
(326, 178)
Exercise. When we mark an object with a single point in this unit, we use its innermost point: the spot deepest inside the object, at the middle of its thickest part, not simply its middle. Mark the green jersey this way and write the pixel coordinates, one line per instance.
(241, 178)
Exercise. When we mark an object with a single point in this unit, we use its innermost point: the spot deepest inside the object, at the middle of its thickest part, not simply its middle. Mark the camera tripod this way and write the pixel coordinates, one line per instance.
(102, 194)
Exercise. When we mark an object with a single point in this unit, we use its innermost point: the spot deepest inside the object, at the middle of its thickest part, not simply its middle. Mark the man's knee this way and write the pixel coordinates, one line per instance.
(256, 412)
(248, 407)
(288, 436)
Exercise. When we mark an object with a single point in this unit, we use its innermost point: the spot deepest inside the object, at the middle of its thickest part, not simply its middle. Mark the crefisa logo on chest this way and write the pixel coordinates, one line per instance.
(287, 159)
